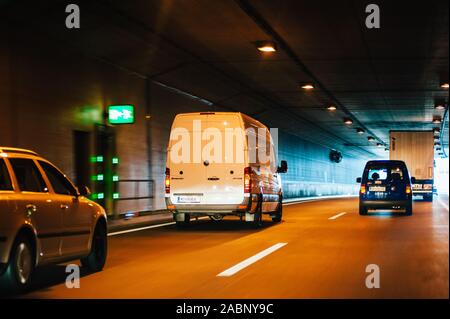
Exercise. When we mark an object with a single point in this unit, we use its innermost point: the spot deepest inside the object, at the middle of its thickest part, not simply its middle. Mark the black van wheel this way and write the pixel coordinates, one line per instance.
(408, 210)
(19, 271)
(96, 260)
(277, 217)
(362, 210)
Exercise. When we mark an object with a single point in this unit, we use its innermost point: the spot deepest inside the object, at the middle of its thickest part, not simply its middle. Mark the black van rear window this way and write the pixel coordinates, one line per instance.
(385, 172)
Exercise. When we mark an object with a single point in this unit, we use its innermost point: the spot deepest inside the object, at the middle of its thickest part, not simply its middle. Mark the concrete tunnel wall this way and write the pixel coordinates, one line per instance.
(50, 91)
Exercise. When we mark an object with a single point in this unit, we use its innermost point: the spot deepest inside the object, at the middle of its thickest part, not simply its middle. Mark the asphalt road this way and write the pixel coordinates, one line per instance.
(308, 255)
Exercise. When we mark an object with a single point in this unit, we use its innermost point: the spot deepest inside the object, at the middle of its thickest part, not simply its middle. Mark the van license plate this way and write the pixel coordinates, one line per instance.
(377, 189)
(188, 199)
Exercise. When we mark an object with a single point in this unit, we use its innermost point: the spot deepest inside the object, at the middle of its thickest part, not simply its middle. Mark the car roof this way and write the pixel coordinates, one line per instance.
(15, 150)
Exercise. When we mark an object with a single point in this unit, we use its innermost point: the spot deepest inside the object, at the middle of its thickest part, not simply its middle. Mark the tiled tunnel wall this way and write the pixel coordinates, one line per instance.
(311, 173)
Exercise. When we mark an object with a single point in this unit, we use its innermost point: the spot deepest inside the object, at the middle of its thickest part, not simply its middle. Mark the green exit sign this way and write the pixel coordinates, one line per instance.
(121, 114)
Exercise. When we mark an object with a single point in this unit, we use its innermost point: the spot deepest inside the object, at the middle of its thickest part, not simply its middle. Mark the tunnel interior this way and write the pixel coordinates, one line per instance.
(169, 57)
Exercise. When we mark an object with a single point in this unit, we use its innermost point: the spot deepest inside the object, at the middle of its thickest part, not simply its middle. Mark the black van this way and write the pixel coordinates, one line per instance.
(385, 185)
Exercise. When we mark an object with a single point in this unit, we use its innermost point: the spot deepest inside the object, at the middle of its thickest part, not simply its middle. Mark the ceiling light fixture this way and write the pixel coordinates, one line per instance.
(444, 85)
(331, 108)
(437, 130)
(370, 138)
(437, 120)
(307, 86)
(439, 104)
(360, 130)
(266, 46)
(348, 121)
(379, 145)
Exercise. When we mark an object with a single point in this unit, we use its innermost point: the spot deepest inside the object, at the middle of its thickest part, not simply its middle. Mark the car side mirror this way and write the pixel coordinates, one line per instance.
(84, 191)
(413, 180)
(283, 167)
(358, 180)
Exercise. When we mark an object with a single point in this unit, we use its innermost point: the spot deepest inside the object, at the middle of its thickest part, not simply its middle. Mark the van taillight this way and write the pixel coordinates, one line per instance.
(247, 179)
(408, 189)
(167, 181)
(363, 189)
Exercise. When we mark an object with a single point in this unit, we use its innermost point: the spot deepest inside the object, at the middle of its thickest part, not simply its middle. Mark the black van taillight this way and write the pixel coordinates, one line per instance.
(363, 190)
(167, 181)
(247, 179)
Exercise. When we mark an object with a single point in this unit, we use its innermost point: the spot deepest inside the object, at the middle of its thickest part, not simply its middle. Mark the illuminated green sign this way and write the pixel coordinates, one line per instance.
(121, 114)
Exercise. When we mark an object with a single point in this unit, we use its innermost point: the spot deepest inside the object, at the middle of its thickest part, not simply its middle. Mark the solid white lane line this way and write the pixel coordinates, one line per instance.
(233, 270)
(139, 229)
(146, 227)
(338, 215)
(443, 203)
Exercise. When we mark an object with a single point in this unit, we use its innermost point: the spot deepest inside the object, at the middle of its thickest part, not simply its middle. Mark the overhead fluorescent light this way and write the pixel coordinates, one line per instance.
(439, 104)
(307, 86)
(331, 108)
(348, 121)
(437, 120)
(266, 46)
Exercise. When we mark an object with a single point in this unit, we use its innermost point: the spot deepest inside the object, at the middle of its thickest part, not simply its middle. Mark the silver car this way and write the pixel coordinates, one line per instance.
(44, 219)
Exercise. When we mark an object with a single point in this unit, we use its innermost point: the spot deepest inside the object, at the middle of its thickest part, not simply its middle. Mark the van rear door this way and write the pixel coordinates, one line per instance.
(187, 176)
(225, 169)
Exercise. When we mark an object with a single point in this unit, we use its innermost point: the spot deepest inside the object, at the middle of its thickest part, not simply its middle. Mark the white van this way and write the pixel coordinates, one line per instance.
(222, 163)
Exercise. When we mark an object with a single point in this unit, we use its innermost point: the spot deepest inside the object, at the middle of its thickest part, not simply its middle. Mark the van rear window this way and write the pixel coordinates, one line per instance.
(383, 173)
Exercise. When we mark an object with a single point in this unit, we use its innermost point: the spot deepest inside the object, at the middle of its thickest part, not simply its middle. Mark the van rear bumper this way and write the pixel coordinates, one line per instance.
(384, 203)
(202, 209)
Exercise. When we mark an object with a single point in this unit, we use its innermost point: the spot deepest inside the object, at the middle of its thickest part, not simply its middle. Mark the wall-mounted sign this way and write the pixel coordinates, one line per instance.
(121, 114)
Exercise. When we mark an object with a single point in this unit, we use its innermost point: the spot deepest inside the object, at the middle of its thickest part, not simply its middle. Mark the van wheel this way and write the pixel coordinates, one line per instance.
(277, 217)
(19, 271)
(362, 210)
(408, 210)
(184, 223)
(96, 260)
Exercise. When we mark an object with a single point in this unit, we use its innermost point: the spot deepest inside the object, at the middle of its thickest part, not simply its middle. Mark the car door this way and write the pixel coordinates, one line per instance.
(36, 203)
(76, 219)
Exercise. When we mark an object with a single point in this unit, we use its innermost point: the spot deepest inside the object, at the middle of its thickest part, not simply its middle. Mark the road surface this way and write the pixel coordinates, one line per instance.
(320, 250)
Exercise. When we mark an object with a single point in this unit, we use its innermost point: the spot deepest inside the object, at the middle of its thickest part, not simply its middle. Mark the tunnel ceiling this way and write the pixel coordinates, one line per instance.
(384, 79)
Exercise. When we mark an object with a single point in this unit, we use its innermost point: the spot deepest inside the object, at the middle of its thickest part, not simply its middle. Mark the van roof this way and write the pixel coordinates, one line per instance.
(244, 116)
(208, 113)
(386, 162)
(4, 149)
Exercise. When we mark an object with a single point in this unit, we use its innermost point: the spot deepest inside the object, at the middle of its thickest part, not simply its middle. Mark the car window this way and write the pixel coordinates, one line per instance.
(5, 180)
(28, 176)
(60, 183)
